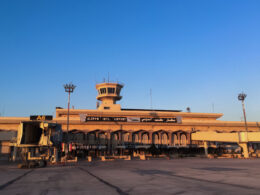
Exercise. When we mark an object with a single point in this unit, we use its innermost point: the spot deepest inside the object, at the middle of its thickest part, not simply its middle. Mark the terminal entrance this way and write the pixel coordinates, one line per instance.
(99, 143)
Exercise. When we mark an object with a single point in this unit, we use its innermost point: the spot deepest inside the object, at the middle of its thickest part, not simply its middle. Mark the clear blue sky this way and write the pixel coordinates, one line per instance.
(190, 53)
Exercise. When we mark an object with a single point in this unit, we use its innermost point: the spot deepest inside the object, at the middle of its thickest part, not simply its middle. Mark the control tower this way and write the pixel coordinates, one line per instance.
(108, 94)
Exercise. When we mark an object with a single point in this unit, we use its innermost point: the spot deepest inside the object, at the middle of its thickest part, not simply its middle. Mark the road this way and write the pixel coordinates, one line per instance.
(178, 176)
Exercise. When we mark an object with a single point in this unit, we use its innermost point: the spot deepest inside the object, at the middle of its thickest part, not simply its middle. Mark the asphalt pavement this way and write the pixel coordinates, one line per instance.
(177, 176)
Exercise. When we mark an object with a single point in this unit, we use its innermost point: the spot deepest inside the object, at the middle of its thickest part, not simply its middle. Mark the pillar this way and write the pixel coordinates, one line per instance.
(169, 138)
(56, 157)
(244, 146)
(130, 140)
(108, 136)
(96, 138)
(122, 137)
(160, 138)
(150, 137)
(14, 154)
(178, 138)
(188, 137)
(130, 137)
(206, 148)
(140, 137)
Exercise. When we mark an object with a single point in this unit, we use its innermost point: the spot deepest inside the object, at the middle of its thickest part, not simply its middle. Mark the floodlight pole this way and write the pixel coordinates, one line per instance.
(244, 143)
(242, 97)
(69, 88)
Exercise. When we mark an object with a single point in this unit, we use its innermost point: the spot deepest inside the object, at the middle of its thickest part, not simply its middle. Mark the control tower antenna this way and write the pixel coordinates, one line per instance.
(108, 77)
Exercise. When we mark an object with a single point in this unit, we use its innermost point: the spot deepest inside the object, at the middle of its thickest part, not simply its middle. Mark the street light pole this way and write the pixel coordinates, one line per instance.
(243, 136)
(242, 97)
(69, 88)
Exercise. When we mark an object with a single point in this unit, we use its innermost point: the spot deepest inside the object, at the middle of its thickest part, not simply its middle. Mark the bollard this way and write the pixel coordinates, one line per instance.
(142, 157)
(89, 158)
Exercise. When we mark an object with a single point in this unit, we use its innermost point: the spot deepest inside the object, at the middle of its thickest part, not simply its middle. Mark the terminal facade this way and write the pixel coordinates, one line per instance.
(110, 129)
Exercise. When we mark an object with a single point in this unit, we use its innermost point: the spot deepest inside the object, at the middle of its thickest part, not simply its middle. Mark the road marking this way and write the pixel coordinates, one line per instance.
(105, 182)
(14, 180)
(214, 182)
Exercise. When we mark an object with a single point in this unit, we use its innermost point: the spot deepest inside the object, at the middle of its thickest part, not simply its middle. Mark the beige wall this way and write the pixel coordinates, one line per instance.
(190, 121)
(4, 147)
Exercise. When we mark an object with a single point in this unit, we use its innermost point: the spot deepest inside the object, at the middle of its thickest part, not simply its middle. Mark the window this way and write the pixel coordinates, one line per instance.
(111, 90)
(117, 90)
(103, 90)
(106, 108)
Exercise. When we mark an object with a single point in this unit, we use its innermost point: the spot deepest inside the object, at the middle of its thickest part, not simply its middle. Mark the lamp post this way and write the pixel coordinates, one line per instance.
(69, 88)
(242, 97)
(243, 135)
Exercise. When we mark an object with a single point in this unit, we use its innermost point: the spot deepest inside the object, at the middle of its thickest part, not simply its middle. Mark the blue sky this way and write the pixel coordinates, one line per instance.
(190, 53)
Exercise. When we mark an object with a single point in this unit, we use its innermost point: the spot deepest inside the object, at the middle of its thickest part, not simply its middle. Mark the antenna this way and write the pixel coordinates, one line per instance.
(151, 98)
(108, 77)
(213, 107)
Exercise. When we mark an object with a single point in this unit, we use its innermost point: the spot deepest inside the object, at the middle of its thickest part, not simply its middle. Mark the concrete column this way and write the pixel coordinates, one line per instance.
(169, 138)
(121, 142)
(188, 138)
(14, 154)
(134, 138)
(56, 157)
(244, 146)
(119, 138)
(108, 137)
(179, 138)
(160, 138)
(130, 137)
(96, 138)
(122, 138)
(150, 137)
(140, 137)
(206, 148)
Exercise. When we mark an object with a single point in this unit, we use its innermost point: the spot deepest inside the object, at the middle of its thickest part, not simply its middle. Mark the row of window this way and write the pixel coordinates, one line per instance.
(109, 90)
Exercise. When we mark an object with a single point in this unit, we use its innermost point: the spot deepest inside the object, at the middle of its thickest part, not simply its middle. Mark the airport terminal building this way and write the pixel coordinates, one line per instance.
(111, 128)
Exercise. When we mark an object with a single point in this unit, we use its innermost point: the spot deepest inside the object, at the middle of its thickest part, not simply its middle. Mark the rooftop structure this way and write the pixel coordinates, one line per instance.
(108, 94)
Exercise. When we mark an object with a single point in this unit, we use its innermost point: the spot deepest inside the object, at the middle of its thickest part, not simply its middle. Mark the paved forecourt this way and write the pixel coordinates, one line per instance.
(178, 176)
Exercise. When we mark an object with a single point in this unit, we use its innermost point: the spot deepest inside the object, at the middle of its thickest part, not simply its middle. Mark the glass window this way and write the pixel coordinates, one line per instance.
(111, 90)
(117, 90)
(103, 90)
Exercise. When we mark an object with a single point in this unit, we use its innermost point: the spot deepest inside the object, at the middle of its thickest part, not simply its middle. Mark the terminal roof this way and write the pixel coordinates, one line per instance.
(131, 109)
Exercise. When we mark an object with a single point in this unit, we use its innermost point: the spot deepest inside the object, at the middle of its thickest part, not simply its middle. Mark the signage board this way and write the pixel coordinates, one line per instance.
(159, 120)
(107, 119)
(132, 119)
(41, 117)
